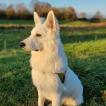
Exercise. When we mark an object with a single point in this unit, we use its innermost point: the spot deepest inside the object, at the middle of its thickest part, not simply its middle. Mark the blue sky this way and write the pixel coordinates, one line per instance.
(88, 6)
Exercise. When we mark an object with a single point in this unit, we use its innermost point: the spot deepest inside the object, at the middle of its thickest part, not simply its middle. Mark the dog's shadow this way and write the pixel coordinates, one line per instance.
(47, 103)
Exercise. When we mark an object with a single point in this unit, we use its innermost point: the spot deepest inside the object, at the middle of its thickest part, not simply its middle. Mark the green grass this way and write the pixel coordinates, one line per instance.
(86, 51)
(16, 21)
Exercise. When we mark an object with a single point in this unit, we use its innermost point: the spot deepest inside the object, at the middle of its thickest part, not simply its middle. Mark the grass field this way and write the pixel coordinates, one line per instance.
(15, 21)
(79, 23)
(86, 51)
(71, 23)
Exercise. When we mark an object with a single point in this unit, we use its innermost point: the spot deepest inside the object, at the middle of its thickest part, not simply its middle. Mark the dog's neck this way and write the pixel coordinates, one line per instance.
(53, 61)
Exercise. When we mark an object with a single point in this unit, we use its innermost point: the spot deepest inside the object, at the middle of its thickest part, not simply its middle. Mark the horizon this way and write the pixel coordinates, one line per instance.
(79, 5)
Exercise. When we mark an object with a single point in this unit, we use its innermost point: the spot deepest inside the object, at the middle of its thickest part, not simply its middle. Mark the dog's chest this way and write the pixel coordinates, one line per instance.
(43, 72)
(47, 63)
(45, 82)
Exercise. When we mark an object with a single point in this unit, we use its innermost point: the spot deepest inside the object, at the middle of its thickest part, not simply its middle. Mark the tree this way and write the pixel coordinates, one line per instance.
(42, 8)
(10, 12)
(23, 12)
(32, 4)
(97, 17)
(82, 16)
(70, 14)
(59, 12)
(2, 10)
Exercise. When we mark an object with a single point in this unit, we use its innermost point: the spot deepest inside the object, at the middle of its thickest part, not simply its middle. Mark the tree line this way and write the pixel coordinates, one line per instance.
(62, 13)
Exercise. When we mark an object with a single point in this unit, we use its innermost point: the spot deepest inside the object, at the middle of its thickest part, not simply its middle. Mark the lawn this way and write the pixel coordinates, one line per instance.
(15, 21)
(86, 51)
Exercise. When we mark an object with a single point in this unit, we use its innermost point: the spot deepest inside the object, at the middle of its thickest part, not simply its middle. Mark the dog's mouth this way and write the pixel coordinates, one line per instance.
(37, 50)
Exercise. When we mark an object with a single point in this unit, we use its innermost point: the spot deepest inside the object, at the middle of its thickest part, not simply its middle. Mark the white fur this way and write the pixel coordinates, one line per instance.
(49, 61)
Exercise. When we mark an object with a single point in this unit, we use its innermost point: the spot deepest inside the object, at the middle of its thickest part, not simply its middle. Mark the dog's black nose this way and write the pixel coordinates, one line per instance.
(22, 44)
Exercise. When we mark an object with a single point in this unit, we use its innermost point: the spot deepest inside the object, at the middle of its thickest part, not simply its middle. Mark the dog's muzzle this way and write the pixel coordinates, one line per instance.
(22, 44)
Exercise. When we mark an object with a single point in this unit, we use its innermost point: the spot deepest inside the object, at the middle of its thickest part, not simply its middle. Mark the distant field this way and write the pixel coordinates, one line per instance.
(86, 51)
(76, 23)
(71, 23)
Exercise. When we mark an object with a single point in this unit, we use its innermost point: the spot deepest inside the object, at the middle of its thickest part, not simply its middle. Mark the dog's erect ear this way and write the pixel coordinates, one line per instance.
(51, 21)
(36, 18)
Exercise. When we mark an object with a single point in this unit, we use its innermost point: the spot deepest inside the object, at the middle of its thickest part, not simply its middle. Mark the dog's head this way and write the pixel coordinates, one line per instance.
(42, 33)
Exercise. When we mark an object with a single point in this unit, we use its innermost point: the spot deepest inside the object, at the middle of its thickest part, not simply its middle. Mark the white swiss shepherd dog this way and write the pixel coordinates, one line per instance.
(48, 60)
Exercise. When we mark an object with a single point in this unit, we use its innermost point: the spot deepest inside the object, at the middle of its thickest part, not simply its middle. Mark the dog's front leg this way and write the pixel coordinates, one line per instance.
(56, 101)
(41, 99)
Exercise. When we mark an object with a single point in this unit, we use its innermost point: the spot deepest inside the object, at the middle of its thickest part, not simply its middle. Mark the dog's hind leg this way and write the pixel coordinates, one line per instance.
(69, 102)
(57, 100)
(73, 102)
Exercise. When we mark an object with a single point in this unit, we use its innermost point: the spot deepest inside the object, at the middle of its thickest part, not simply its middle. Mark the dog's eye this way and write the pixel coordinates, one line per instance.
(38, 35)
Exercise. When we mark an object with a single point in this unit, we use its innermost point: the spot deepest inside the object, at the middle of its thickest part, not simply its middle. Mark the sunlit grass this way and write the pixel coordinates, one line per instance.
(77, 23)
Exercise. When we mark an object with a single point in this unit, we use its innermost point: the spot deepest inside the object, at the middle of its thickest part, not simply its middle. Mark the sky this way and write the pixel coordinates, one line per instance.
(88, 6)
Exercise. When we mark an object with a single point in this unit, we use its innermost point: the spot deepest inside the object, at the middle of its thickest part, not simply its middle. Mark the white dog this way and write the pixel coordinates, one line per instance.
(48, 61)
